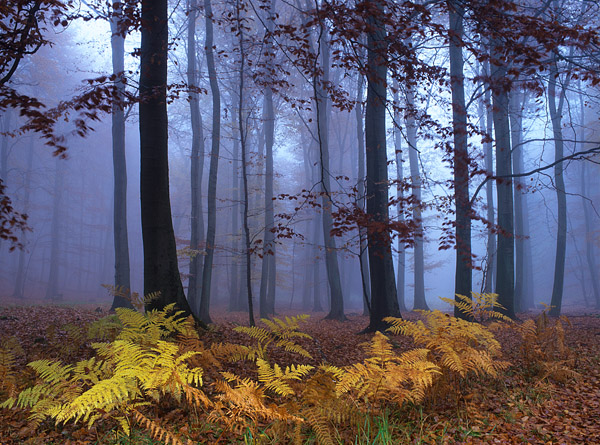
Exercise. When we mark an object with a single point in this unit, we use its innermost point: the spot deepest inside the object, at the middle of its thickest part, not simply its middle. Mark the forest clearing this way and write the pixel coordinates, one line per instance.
(546, 395)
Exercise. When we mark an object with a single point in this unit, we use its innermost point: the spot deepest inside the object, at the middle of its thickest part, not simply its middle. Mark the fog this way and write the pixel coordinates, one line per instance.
(68, 254)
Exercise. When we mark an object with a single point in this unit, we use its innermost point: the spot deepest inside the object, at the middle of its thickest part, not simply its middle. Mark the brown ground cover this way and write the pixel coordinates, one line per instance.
(523, 406)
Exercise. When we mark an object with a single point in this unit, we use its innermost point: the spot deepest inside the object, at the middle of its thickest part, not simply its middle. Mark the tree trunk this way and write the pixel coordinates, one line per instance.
(55, 242)
(384, 301)
(401, 261)
(268, 272)
(197, 162)
(587, 215)
(331, 260)
(203, 310)
(559, 184)
(415, 179)
(463, 275)
(120, 236)
(363, 257)
(516, 107)
(19, 291)
(161, 271)
(505, 266)
(243, 132)
(235, 303)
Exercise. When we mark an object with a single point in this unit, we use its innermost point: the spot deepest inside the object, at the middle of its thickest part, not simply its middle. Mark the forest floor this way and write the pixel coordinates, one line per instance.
(521, 407)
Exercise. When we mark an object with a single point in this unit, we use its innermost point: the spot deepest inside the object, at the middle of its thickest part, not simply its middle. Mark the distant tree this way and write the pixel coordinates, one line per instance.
(211, 223)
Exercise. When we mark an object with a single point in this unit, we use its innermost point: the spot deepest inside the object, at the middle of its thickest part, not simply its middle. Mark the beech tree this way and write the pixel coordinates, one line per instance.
(161, 271)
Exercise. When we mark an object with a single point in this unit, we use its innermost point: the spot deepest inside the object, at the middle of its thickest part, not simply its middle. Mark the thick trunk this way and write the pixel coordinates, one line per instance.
(384, 302)
(161, 271)
(211, 225)
(120, 236)
(463, 275)
(505, 266)
(197, 162)
(559, 184)
(415, 179)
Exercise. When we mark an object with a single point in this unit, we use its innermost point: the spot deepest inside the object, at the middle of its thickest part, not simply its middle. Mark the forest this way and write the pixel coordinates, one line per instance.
(307, 221)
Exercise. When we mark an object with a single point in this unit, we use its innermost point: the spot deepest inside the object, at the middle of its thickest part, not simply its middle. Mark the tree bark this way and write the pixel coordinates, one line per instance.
(415, 179)
(384, 301)
(401, 261)
(363, 257)
(161, 271)
(463, 276)
(55, 242)
(197, 162)
(485, 115)
(268, 272)
(19, 291)
(120, 235)
(331, 260)
(505, 266)
(559, 184)
(203, 310)
(243, 132)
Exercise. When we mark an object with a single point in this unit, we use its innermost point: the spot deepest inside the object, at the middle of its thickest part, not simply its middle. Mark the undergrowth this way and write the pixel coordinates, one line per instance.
(143, 361)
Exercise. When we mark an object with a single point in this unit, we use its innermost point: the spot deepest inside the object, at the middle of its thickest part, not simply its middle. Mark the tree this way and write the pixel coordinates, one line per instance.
(268, 272)
(161, 271)
(120, 236)
(463, 276)
(384, 302)
(559, 182)
(197, 161)
(336, 311)
(203, 309)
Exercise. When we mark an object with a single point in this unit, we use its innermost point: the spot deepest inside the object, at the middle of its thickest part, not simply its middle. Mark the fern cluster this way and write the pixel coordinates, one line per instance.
(544, 349)
(147, 358)
(138, 368)
(457, 346)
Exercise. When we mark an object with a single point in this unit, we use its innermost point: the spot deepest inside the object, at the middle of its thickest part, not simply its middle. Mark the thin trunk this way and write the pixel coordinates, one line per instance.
(203, 310)
(234, 292)
(267, 298)
(587, 214)
(401, 261)
(331, 260)
(161, 271)
(415, 178)
(505, 272)
(55, 242)
(121, 239)
(363, 256)
(516, 106)
(559, 184)
(243, 132)
(485, 114)
(384, 301)
(463, 276)
(197, 162)
(19, 291)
